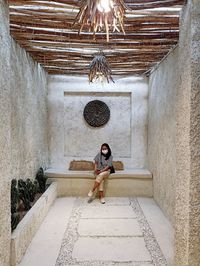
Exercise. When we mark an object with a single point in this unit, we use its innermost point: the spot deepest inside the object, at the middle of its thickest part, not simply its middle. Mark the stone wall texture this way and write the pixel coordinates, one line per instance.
(163, 84)
(187, 244)
(5, 130)
(71, 138)
(23, 120)
(29, 133)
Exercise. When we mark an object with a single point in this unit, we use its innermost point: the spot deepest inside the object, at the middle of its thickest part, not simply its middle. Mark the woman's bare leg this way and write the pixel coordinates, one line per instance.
(102, 176)
(101, 189)
(101, 195)
(96, 185)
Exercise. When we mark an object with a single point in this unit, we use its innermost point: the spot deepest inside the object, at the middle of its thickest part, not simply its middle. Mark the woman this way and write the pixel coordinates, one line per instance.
(102, 166)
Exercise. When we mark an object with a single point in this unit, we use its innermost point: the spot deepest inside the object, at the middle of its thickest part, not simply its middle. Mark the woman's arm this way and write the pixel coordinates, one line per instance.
(96, 171)
(105, 169)
(109, 164)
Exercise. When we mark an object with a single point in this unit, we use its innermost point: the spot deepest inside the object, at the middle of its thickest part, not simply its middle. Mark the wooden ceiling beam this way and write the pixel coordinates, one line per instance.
(28, 2)
(136, 5)
(82, 38)
(26, 22)
(51, 14)
(63, 56)
(150, 46)
(85, 71)
(131, 39)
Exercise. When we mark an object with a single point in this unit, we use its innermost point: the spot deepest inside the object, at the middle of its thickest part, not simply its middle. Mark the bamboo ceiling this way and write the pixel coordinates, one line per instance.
(44, 29)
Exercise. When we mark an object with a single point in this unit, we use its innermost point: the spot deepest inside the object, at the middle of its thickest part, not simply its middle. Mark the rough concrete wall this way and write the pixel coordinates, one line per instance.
(187, 244)
(23, 120)
(5, 160)
(29, 114)
(183, 146)
(163, 84)
(126, 131)
(194, 203)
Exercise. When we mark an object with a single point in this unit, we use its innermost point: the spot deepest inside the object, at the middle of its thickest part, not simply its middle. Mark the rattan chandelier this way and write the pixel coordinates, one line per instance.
(101, 16)
(99, 69)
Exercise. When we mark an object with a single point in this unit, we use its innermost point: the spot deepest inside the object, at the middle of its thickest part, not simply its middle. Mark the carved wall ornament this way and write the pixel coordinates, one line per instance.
(96, 113)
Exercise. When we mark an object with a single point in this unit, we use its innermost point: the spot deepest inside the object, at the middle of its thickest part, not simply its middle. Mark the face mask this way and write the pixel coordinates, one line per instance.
(104, 151)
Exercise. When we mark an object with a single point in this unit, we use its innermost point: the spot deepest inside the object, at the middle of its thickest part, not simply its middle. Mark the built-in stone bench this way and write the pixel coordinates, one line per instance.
(130, 182)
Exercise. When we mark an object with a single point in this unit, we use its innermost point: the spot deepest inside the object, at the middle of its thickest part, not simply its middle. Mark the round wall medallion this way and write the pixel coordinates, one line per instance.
(96, 113)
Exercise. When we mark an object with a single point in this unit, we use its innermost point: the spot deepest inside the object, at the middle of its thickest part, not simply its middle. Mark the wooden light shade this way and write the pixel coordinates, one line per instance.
(101, 15)
(99, 68)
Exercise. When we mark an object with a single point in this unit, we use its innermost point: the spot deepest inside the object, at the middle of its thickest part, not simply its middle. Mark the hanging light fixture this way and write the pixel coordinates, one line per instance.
(101, 15)
(99, 69)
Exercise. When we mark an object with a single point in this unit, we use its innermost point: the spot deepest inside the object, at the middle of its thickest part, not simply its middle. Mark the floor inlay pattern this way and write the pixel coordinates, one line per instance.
(75, 248)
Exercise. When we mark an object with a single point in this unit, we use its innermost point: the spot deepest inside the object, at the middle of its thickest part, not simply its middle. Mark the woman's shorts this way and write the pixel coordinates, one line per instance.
(102, 176)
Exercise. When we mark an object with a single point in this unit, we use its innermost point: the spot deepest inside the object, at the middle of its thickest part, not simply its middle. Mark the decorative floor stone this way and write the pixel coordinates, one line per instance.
(119, 249)
(161, 227)
(109, 227)
(151, 243)
(116, 201)
(105, 211)
(108, 249)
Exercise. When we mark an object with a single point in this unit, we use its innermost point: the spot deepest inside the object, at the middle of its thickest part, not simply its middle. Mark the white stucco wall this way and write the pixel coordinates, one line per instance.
(23, 122)
(28, 114)
(163, 84)
(187, 229)
(70, 137)
(5, 143)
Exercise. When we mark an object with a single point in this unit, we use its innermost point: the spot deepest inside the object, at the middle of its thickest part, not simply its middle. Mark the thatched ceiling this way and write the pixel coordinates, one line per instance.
(44, 29)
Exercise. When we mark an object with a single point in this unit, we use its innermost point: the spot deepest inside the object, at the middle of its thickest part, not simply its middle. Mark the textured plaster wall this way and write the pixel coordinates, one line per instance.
(23, 122)
(187, 245)
(29, 133)
(163, 84)
(5, 130)
(112, 133)
(71, 138)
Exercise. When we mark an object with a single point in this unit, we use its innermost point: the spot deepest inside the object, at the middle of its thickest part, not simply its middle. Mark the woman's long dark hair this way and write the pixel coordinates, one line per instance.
(109, 150)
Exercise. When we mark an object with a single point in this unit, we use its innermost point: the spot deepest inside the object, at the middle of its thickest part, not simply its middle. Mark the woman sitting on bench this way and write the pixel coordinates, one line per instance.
(102, 166)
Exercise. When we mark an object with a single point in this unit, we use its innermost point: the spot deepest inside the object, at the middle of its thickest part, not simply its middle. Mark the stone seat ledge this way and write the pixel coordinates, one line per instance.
(135, 173)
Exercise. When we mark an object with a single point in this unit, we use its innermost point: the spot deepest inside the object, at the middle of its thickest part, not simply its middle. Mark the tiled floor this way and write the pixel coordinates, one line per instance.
(124, 231)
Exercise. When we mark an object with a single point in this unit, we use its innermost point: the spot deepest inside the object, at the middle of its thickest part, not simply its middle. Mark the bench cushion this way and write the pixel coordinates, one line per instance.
(83, 165)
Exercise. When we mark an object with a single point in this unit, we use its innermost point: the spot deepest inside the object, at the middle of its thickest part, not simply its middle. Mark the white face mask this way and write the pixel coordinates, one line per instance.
(104, 151)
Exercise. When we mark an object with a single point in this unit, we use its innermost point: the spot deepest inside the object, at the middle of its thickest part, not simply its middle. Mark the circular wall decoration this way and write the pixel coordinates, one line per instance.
(96, 113)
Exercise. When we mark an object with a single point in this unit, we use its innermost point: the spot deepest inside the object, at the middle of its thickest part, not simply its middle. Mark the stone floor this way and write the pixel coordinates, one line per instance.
(124, 231)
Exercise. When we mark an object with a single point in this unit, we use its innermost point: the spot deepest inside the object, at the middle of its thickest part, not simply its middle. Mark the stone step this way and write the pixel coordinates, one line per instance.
(129, 182)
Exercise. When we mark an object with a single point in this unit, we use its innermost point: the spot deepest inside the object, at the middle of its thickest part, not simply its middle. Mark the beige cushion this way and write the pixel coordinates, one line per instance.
(118, 165)
(81, 165)
(88, 165)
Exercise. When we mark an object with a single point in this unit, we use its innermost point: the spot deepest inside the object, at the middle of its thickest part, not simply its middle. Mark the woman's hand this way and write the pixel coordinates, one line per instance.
(96, 171)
